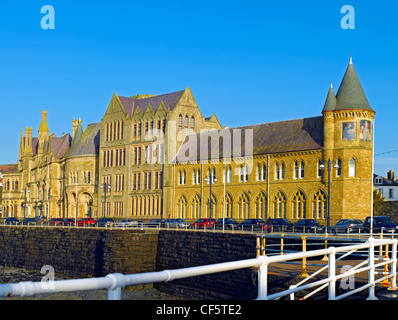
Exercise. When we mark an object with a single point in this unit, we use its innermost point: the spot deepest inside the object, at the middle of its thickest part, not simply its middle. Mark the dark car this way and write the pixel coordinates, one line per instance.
(68, 222)
(380, 223)
(155, 223)
(55, 222)
(278, 225)
(12, 221)
(104, 222)
(252, 224)
(226, 223)
(308, 225)
(347, 225)
(29, 221)
(202, 223)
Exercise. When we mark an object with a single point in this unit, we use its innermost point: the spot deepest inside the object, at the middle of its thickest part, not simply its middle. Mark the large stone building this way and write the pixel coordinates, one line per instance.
(152, 154)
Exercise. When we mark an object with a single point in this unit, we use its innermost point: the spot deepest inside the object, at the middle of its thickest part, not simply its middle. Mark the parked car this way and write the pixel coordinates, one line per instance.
(347, 225)
(278, 225)
(202, 223)
(129, 223)
(380, 223)
(85, 222)
(55, 222)
(308, 225)
(176, 223)
(155, 223)
(68, 222)
(252, 224)
(39, 219)
(226, 223)
(104, 222)
(12, 221)
(29, 221)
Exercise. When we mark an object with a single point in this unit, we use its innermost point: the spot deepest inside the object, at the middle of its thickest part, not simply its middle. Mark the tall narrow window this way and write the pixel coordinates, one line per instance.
(261, 206)
(320, 168)
(282, 171)
(302, 170)
(352, 168)
(244, 206)
(264, 172)
(193, 123)
(280, 205)
(180, 122)
(338, 171)
(276, 171)
(319, 205)
(186, 122)
(298, 206)
(296, 170)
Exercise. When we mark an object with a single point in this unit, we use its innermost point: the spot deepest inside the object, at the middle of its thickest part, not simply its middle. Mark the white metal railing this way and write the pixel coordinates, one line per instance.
(116, 281)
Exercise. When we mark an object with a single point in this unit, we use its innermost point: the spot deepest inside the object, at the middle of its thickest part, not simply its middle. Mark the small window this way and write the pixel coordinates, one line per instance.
(352, 168)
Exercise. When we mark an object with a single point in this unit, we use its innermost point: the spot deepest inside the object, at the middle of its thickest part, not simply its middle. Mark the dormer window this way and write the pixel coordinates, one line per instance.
(378, 180)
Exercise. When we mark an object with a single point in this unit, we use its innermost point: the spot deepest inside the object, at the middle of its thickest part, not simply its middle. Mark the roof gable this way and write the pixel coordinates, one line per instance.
(132, 105)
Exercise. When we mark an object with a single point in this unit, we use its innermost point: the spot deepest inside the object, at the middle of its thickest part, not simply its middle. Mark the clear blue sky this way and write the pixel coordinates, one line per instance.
(266, 61)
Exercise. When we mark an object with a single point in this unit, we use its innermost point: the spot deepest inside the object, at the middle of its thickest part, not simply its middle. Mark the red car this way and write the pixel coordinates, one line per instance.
(201, 223)
(85, 222)
(55, 222)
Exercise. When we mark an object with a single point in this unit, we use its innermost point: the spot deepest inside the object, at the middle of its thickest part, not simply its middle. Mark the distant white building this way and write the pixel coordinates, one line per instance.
(388, 187)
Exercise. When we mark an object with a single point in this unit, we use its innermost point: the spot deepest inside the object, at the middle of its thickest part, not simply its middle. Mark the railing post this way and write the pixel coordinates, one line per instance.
(263, 279)
(332, 274)
(371, 272)
(258, 245)
(304, 273)
(115, 291)
(115, 294)
(393, 271)
(263, 245)
(325, 257)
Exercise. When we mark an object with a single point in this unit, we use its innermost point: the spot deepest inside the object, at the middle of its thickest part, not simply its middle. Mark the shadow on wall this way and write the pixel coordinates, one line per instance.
(99, 257)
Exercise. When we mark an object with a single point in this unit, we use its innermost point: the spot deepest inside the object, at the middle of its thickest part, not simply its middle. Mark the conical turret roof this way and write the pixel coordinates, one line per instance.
(350, 94)
(330, 102)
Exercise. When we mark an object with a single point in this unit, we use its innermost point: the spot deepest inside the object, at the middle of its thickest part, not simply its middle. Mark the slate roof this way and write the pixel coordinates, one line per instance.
(60, 145)
(88, 144)
(268, 138)
(330, 102)
(170, 100)
(8, 168)
(350, 94)
(385, 182)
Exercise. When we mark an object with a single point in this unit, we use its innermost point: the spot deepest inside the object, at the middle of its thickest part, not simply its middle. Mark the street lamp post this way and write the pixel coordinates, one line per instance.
(24, 204)
(322, 167)
(105, 186)
(211, 179)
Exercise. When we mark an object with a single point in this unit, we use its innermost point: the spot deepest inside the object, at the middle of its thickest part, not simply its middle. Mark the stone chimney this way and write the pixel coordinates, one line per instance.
(390, 175)
(75, 123)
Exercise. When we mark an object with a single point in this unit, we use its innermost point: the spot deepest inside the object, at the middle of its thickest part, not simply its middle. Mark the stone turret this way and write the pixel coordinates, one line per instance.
(348, 123)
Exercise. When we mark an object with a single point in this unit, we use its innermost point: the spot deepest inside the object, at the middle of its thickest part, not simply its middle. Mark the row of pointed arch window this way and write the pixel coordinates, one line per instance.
(279, 206)
(261, 174)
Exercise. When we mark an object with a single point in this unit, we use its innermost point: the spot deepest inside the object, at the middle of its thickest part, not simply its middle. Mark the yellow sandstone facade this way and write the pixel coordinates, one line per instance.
(152, 155)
